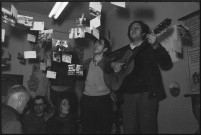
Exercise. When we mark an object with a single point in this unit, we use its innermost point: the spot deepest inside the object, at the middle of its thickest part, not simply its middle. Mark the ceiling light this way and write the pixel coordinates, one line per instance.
(54, 9)
(61, 8)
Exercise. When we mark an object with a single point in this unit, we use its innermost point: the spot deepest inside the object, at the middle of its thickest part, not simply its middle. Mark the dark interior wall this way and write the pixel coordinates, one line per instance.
(175, 113)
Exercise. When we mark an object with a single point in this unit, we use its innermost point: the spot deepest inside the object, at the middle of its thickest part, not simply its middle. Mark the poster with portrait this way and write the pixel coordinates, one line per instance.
(192, 21)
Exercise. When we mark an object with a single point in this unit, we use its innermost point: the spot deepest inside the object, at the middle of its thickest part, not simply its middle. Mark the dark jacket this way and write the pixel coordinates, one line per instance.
(34, 124)
(146, 74)
(105, 65)
(59, 125)
(11, 121)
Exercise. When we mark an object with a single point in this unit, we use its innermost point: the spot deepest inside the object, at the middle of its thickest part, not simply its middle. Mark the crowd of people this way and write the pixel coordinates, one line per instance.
(102, 110)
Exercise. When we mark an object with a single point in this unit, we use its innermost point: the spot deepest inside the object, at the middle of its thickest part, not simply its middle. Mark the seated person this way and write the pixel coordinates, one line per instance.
(33, 124)
(40, 108)
(63, 121)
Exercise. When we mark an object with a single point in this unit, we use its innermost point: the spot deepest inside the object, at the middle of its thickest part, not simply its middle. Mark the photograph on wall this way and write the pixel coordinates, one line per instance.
(21, 58)
(195, 80)
(66, 58)
(79, 70)
(45, 35)
(56, 57)
(7, 17)
(25, 20)
(71, 69)
(61, 45)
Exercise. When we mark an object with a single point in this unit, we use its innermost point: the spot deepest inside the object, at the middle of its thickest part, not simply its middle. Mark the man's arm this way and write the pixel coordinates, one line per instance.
(163, 57)
(12, 127)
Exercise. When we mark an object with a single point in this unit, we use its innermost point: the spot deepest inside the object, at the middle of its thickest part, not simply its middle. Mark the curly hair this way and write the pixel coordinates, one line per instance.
(145, 28)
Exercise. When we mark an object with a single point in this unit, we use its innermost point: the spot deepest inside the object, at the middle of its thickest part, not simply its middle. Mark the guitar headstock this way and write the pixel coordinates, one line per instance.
(162, 26)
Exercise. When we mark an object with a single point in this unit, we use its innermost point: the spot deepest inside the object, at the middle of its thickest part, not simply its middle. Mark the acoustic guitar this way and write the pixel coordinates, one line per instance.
(116, 79)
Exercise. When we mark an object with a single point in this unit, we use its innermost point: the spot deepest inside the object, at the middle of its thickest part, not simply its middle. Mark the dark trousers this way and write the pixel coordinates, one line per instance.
(56, 96)
(96, 114)
(139, 114)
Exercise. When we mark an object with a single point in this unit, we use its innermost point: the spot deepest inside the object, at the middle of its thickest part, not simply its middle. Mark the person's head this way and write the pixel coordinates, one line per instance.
(40, 105)
(64, 107)
(17, 97)
(138, 30)
(102, 46)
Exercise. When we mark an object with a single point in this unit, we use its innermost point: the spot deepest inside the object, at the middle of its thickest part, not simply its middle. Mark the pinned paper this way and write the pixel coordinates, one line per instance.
(95, 32)
(71, 33)
(31, 37)
(80, 32)
(38, 26)
(71, 69)
(7, 17)
(95, 8)
(56, 57)
(66, 58)
(61, 45)
(51, 74)
(94, 23)
(49, 63)
(120, 4)
(13, 11)
(42, 66)
(29, 54)
(87, 29)
(177, 46)
(2, 35)
(45, 35)
(21, 58)
(79, 70)
(25, 20)
(81, 21)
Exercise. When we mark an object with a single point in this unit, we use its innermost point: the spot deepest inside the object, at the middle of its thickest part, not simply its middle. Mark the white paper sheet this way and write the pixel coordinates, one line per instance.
(51, 74)
(29, 54)
(38, 26)
(121, 4)
(14, 11)
(95, 23)
(3, 35)
(95, 32)
(95, 8)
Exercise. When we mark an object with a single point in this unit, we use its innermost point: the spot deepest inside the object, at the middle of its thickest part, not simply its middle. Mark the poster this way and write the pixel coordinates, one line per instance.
(192, 21)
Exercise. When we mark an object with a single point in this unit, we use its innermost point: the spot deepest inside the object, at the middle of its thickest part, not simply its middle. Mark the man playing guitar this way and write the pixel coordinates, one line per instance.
(143, 87)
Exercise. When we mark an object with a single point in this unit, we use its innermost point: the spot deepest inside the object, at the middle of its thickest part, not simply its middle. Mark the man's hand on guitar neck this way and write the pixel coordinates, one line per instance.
(152, 39)
(117, 66)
